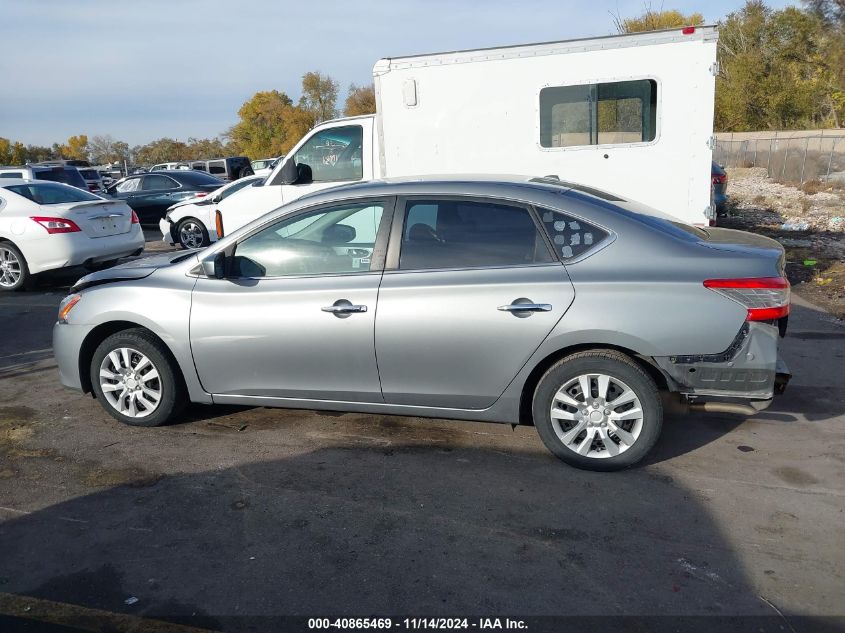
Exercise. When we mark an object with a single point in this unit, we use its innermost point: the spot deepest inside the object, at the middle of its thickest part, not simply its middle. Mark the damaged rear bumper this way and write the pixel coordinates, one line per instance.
(747, 374)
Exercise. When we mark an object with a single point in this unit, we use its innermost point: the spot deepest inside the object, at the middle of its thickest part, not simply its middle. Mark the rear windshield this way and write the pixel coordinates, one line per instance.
(48, 193)
(60, 174)
(89, 174)
(197, 178)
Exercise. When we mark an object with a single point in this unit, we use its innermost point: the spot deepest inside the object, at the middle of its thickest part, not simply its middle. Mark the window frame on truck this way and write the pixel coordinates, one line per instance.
(593, 86)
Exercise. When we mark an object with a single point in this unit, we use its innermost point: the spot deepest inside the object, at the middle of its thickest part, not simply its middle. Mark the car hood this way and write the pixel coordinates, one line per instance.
(135, 269)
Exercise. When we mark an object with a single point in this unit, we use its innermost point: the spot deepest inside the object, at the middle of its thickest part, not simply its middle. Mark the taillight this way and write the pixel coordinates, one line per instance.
(688, 30)
(135, 219)
(719, 179)
(200, 194)
(57, 225)
(218, 224)
(765, 298)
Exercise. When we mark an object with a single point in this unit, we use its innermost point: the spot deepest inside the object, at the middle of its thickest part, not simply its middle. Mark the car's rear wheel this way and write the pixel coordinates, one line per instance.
(136, 380)
(598, 410)
(14, 273)
(192, 234)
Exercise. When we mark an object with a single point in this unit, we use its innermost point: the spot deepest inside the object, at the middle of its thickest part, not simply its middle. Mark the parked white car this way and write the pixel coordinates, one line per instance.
(190, 223)
(49, 225)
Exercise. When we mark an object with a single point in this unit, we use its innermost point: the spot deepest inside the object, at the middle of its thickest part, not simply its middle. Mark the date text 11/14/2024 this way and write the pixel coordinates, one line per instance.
(416, 624)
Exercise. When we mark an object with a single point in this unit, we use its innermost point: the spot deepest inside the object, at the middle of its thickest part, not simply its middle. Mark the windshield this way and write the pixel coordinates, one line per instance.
(48, 193)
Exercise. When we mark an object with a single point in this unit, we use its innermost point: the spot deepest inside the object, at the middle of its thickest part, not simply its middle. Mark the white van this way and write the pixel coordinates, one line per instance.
(631, 114)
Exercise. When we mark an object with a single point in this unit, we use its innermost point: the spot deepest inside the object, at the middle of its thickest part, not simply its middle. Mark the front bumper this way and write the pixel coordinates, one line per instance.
(749, 370)
(166, 231)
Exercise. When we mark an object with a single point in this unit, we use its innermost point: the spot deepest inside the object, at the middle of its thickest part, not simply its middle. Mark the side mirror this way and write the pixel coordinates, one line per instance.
(290, 174)
(215, 268)
(217, 198)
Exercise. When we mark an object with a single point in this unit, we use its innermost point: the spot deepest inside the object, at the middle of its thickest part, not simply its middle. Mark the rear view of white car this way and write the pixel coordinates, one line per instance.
(48, 225)
(191, 223)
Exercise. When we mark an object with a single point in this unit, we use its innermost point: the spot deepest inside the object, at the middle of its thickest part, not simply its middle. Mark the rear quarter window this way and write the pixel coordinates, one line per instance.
(571, 237)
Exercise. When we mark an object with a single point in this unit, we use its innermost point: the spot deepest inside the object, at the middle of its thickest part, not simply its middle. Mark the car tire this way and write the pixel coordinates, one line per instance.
(14, 271)
(245, 171)
(191, 233)
(605, 432)
(121, 378)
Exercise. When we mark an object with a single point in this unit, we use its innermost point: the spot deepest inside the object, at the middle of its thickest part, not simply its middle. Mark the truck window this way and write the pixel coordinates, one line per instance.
(334, 154)
(598, 114)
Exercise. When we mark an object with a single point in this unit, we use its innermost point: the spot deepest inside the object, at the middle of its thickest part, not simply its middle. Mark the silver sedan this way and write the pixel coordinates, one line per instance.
(515, 300)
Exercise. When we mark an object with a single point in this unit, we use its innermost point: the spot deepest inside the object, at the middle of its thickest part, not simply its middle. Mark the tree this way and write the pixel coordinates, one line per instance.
(319, 96)
(76, 147)
(105, 149)
(269, 125)
(360, 100)
(652, 20)
(774, 72)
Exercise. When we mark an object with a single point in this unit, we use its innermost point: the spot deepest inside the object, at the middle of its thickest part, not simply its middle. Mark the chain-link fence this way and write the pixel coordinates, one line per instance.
(794, 159)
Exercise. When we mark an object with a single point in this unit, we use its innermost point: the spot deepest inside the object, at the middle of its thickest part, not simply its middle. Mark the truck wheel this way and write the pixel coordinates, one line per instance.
(14, 273)
(598, 410)
(191, 233)
(136, 380)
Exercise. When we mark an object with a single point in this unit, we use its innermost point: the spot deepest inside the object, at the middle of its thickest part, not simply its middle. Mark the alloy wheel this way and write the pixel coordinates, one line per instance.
(10, 268)
(596, 416)
(130, 382)
(190, 234)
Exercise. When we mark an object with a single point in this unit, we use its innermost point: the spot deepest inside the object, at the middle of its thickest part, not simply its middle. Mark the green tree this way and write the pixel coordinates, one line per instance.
(774, 71)
(319, 95)
(652, 20)
(360, 100)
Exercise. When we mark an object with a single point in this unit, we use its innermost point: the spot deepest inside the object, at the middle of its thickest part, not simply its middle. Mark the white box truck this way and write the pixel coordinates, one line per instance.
(630, 114)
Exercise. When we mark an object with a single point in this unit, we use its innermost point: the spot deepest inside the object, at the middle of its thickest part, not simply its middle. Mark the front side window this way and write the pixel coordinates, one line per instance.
(334, 154)
(570, 236)
(598, 114)
(468, 234)
(328, 241)
(157, 183)
(128, 185)
(48, 193)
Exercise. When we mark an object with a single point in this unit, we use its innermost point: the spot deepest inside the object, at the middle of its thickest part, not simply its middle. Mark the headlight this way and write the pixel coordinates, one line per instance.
(67, 305)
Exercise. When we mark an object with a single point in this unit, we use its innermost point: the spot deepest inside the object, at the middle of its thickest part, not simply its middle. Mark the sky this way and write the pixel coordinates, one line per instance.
(139, 70)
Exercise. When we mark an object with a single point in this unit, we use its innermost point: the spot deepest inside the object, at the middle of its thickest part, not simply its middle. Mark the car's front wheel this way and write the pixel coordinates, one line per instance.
(136, 380)
(598, 410)
(192, 234)
(14, 273)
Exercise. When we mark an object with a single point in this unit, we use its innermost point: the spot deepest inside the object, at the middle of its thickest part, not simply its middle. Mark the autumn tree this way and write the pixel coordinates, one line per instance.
(360, 100)
(652, 20)
(319, 95)
(76, 148)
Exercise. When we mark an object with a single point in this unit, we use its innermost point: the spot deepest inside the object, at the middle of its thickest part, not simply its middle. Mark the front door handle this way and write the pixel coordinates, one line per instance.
(343, 307)
(525, 306)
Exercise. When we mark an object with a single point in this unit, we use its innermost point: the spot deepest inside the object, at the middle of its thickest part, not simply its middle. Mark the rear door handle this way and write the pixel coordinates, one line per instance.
(526, 307)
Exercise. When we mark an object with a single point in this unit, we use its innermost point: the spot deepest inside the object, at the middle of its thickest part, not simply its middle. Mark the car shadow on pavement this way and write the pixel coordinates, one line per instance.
(404, 529)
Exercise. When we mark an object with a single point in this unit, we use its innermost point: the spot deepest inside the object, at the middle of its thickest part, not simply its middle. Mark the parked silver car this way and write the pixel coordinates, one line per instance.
(502, 299)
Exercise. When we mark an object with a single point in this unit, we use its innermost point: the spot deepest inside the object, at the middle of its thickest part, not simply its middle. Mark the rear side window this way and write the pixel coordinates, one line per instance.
(469, 234)
(47, 193)
(12, 174)
(570, 236)
(598, 114)
(69, 176)
(157, 183)
(217, 167)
